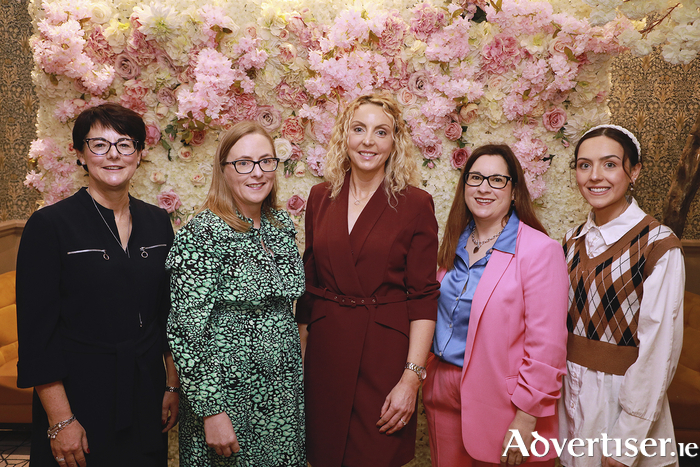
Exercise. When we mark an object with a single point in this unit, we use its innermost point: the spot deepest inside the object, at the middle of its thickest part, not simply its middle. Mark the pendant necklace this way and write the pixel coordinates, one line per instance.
(479, 244)
(358, 201)
(126, 250)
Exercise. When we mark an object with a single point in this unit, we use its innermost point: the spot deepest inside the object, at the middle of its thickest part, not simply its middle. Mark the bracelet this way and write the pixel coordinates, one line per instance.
(54, 430)
(174, 389)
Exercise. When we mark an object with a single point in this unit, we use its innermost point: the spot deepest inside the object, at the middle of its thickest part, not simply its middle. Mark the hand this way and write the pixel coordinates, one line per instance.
(70, 444)
(219, 434)
(400, 404)
(610, 462)
(525, 424)
(170, 411)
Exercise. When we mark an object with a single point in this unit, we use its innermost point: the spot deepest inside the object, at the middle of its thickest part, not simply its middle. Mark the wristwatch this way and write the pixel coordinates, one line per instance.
(418, 370)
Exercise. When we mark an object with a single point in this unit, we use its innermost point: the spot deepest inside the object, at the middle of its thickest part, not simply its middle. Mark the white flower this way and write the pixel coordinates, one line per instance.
(283, 149)
(100, 12)
(157, 21)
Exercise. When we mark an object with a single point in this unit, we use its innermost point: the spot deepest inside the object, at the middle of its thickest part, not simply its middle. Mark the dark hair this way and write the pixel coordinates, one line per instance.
(460, 216)
(122, 120)
(630, 153)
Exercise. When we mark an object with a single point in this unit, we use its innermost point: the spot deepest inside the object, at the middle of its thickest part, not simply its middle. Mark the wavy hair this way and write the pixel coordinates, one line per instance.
(220, 199)
(460, 216)
(400, 169)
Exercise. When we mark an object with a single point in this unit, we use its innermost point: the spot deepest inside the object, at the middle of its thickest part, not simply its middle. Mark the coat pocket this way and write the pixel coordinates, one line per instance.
(394, 316)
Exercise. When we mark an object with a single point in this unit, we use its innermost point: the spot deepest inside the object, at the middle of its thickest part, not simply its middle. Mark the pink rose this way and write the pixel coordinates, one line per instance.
(453, 131)
(152, 135)
(198, 179)
(157, 177)
(406, 97)
(198, 137)
(297, 153)
(292, 130)
(419, 83)
(554, 118)
(300, 169)
(185, 153)
(459, 157)
(126, 67)
(296, 205)
(169, 200)
(166, 96)
(468, 114)
(269, 117)
(433, 152)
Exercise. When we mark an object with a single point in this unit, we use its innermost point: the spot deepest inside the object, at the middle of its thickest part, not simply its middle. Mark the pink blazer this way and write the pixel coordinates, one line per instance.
(516, 344)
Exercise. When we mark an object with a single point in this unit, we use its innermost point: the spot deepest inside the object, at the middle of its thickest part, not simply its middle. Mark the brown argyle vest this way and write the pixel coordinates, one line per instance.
(606, 292)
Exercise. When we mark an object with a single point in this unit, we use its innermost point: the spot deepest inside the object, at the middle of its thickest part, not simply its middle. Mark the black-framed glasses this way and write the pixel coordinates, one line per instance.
(100, 146)
(496, 181)
(246, 166)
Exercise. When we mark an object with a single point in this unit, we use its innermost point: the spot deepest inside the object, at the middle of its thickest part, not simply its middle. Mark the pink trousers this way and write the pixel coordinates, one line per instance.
(442, 403)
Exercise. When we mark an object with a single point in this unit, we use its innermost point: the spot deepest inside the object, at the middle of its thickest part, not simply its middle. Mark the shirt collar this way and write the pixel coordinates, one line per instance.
(614, 230)
(505, 242)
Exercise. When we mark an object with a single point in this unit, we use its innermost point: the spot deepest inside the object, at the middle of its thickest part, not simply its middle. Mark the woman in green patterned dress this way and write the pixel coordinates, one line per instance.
(235, 271)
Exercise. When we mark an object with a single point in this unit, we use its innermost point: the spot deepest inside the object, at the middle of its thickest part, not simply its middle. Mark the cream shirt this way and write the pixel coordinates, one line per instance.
(632, 407)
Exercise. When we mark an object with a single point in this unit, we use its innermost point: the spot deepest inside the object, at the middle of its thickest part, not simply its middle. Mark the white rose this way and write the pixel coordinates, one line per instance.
(157, 177)
(283, 149)
(101, 12)
(300, 169)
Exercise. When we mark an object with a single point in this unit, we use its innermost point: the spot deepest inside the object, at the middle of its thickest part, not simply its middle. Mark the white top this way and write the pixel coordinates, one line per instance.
(632, 407)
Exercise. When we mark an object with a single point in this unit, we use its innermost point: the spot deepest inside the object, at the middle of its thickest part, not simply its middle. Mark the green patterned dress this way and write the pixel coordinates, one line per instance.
(234, 339)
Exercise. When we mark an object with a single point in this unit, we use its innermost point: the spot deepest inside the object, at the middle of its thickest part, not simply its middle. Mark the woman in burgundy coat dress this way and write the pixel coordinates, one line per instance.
(367, 319)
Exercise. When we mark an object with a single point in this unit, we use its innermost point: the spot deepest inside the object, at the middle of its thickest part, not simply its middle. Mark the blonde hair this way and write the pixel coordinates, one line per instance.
(220, 199)
(400, 169)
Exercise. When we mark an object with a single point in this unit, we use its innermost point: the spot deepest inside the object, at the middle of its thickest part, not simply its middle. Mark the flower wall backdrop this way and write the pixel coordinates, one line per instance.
(520, 72)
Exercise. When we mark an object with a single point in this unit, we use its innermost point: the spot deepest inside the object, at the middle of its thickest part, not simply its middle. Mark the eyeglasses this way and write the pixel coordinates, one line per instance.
(100, 146)
(496, 181)
(245, 166)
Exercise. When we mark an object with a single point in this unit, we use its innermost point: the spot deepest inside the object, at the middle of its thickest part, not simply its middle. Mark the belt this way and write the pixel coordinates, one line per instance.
(352, 302)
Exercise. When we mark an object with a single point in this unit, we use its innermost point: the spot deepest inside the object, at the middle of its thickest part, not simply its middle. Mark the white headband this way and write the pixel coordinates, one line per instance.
(623, 130)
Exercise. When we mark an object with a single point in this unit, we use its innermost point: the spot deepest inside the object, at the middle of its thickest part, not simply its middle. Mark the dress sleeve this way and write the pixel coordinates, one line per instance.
(545, 295)
(421, 262)
(195, 267)
(305, 303)
(41, 359)
(660, 332)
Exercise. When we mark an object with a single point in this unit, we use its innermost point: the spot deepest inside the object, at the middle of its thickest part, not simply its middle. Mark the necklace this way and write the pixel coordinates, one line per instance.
(126, 250)
(479, 244)
(358, 201)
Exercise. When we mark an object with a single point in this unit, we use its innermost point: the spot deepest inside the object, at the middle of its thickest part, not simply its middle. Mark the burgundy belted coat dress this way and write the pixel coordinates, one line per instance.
(363, 289)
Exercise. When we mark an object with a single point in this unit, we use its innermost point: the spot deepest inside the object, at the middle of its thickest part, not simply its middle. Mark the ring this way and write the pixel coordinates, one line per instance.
(404, 423)
(60, 459)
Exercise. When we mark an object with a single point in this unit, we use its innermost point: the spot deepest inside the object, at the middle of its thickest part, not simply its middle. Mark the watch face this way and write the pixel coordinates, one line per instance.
(423, 374)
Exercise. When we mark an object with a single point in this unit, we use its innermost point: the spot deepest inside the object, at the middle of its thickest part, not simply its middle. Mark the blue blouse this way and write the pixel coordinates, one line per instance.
(457, 291)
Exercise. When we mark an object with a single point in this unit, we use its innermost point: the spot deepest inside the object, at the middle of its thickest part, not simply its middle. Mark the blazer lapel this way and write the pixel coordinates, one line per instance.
(496, 267)
(340, 249)
(366, 221)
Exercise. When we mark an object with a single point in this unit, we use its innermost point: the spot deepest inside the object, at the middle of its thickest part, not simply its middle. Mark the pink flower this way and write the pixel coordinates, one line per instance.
(316, 159)
(554, 118)
(198, 179)
(453, 131)
(406, 97)
(427, 20)
(468, 114)
(169, 200)
(291, 97)
(501, 54)
(292, 130)
(126, 67)
(288, 53)
(296, 205)
(419, 83)
(157, 177)
(152, 134)
(198, 137)
(35, 180)
(166, 96)
(391, 39)
(297, 153)
(269, 117)
(433, 152)
(459, 157)
(185, 153)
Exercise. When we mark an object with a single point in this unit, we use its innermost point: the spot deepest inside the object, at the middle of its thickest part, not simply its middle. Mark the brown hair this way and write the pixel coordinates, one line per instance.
(400, 169)
(220, 199)
(630, 153)
(460, 216)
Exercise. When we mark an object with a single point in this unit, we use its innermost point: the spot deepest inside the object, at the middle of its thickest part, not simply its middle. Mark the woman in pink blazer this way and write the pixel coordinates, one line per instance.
(499, 351)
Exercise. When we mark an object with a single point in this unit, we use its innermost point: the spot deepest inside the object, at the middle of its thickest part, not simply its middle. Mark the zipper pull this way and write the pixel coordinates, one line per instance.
(140, 321)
